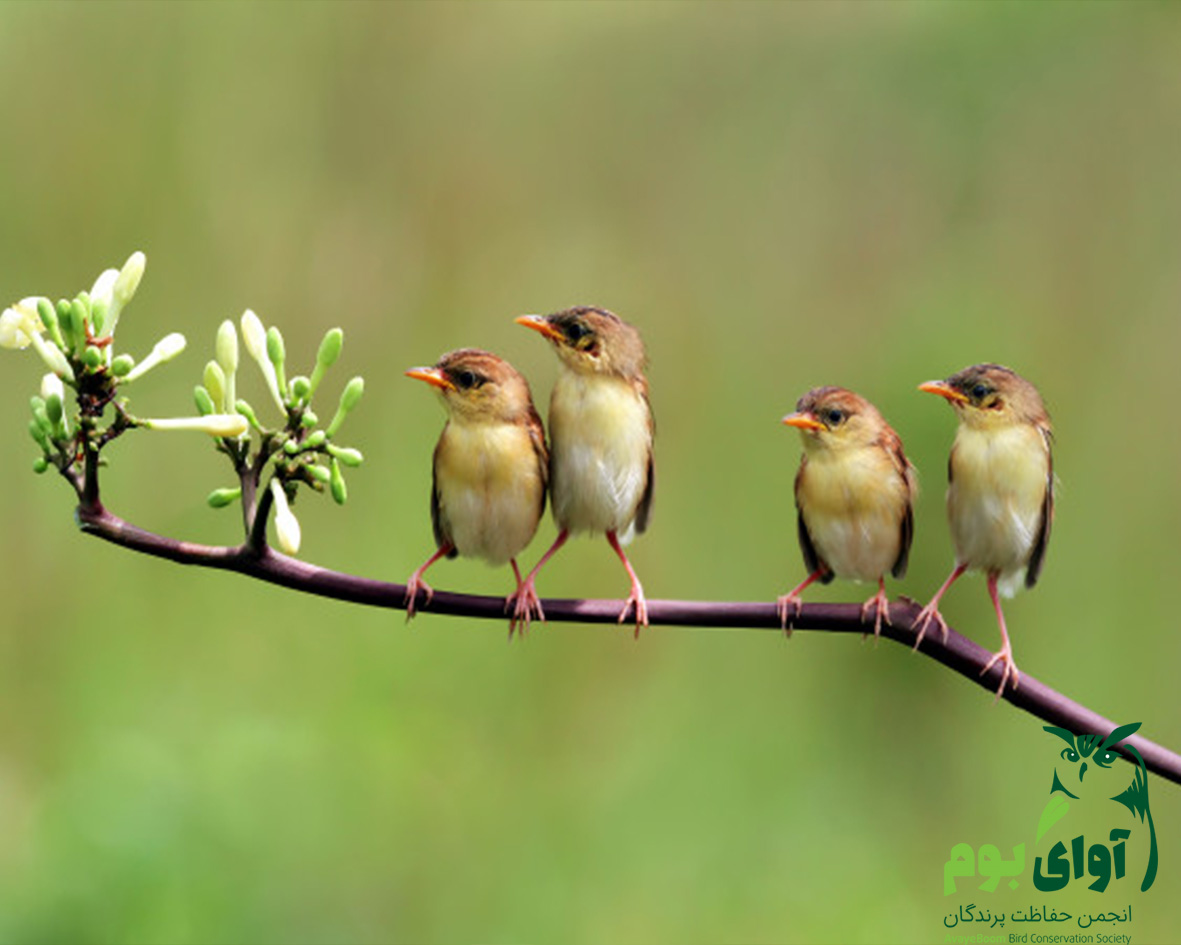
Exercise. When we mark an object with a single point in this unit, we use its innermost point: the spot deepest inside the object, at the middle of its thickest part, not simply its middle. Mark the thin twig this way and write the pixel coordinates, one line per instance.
(958, 653)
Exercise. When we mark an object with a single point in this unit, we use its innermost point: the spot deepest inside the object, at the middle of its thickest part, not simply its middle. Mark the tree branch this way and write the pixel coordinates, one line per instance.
(958, 653)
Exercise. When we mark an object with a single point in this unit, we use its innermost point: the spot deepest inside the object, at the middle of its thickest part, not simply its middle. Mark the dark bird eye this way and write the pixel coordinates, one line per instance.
(980, 391)
(834, 416)
(465, 380)
(1070, 754)
(1104, 758)
(576, 331)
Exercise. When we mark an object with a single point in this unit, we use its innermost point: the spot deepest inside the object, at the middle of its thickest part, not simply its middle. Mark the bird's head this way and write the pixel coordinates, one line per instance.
(1086, 753)
(989, 396)
(592, 341)
(477, 386)
(835, 418)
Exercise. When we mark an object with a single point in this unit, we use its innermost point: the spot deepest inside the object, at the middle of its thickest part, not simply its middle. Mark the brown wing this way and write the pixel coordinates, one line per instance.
(540, 452)
(644, 509)
(439, 523)
(812, 560)
(893, 445)
(1038, 556)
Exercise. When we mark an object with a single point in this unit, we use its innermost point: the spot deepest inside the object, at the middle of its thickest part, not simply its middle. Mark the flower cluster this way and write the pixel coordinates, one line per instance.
(75, 338)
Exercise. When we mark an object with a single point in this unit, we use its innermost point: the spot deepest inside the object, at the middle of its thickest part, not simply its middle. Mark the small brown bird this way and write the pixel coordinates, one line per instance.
(855, 493)
(601, 429)
(1000, 501)
(490, 467)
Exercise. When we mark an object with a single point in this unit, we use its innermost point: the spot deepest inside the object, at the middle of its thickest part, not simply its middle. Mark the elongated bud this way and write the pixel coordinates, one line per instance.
(318, 472)
(37, 432)
(215, 383)
(165, 350)
(326, 357)
(203, 401)
(227, 356)
(71, 329)
(37, 405)
(216, 424)
(349, 398)
(277, 354)
(52, 355)
(98, 318)
(286, 524)
(53, 409)
(254, 337)
(315, 440)
(48, 315)
(122, 365)
(340, 492)
(220, 498)
(129, 277)
(348, 456)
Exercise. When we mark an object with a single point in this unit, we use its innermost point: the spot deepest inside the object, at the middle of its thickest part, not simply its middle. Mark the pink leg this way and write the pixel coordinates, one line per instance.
(931, 611)
(1005, 653)
(882, 604)
(791, 600)
(415, 582)
(525, 600)
(637, 592)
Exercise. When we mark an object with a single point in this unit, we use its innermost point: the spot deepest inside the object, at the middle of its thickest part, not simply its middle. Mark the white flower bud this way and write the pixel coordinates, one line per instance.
(166, 349)
(104, 286)
(52, 355)
(128, 279)
(52, 384)
(286, 524)
(254, 337)
(216, 424)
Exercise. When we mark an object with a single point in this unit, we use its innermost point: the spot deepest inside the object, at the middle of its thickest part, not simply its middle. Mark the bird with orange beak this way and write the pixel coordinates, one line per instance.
(854, 495)
(601, 430)
(490, 468)
(1000, 501)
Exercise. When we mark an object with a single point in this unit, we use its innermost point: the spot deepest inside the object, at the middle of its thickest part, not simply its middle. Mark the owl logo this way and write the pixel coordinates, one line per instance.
(1084, 774)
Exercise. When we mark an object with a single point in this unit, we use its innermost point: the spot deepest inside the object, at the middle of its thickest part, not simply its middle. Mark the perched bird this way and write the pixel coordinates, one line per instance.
(855, 493)
(490, 467)
(1000, 501)
(601, 439)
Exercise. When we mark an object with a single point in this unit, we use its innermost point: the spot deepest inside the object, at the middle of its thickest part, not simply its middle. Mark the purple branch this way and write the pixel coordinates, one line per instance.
(958, 653)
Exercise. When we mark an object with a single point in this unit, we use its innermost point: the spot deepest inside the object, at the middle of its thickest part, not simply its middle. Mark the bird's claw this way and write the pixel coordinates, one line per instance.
(923, 622)
(636, 598)
(785, 603)
(524, 603)
(1003, 655)
(412, 588)
(881, 603)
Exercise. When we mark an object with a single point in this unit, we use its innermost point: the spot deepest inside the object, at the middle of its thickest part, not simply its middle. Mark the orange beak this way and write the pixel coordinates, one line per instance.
(432, 376)
(540, 323)
(803, 421)
(944, 390)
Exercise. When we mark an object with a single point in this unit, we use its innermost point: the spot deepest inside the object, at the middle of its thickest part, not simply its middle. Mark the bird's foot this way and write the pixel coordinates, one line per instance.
(413, 586)
(881, 603)
(636, 599)
(521, 606)
(789, 607)
(1003, 655)
(923, 623)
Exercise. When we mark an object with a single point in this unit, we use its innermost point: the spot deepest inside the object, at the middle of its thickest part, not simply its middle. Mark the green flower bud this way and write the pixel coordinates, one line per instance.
(248, 412)
(71, 329)
(290, 447)
(93, 357)
(38, 433)
(277, 354)
(203, 401)
(81, 316)
(122, 365)
(339, 491)
(49, 319)
(98, 318)
(326, 357)
(309, 420)
(300, 387)
(215, 383)
(220, 498)
(315, 440)
(349, 457)
(349, 398)
(40, 464)
(53, 410)
(318, 472)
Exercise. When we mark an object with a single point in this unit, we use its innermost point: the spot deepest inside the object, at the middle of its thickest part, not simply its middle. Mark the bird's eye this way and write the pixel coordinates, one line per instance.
(980, 391)
(834, 416)
(465, 380)
(1070, 754)
(1105, 758)
(576, 331)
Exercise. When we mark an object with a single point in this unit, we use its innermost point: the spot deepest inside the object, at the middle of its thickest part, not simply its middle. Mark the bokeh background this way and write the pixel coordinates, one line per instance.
(780, 196)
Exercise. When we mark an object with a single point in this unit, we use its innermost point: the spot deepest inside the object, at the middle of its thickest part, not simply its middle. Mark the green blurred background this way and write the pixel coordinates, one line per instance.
(780, 196)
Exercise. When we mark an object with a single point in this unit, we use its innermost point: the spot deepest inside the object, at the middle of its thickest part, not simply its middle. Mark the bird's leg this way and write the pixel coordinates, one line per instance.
(636, 596)
(415, 581)
(1005, 653)
(791, 600)
(931, 611)
(525, 600)
(882, 604)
